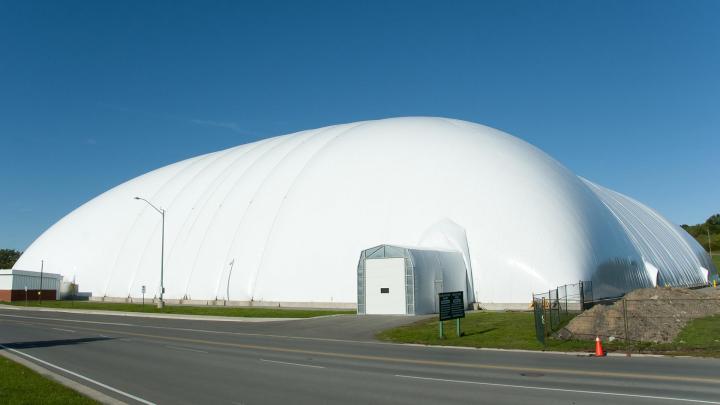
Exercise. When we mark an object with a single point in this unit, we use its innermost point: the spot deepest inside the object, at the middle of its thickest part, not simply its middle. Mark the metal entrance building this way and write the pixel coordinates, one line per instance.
(16, 285)
(400, 280)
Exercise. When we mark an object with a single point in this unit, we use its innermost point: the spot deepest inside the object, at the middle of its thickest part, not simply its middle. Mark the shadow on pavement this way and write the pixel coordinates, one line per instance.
(51, 343)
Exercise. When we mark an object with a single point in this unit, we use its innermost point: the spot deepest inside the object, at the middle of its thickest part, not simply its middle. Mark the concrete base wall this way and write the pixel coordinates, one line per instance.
(488, 306)
(223, 303)
(503, 306)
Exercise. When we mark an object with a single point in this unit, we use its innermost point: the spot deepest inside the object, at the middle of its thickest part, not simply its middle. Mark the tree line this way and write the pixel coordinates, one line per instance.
(8, 257)
(700, 232)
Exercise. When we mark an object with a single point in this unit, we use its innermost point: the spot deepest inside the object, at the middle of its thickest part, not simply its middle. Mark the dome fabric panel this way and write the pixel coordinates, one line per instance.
(677, 259)
(293, 212)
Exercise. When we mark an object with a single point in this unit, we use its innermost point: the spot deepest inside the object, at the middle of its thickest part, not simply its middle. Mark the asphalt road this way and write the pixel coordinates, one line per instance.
(330, 360)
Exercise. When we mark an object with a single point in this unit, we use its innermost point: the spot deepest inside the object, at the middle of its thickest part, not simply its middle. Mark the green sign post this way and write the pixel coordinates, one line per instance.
(452, 306)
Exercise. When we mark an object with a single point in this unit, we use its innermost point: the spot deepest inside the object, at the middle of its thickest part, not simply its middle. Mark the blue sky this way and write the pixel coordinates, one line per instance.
(94, 93)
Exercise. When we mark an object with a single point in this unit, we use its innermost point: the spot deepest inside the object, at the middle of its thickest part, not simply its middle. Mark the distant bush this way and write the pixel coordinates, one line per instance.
(700, 232)
(8, 257)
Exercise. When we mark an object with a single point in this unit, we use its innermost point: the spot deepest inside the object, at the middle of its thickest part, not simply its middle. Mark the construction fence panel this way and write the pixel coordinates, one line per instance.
(556, 307)
(642, 325)
(539, 320)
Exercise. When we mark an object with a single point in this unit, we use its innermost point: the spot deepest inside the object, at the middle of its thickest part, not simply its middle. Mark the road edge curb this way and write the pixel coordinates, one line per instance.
(576, 354)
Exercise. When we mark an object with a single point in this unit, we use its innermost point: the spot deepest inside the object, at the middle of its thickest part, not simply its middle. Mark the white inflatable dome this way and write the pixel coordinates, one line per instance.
(293, 212)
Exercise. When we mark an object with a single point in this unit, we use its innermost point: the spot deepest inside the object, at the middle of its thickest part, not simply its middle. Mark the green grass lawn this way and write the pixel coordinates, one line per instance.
(700, 337)
(504, 330)
(187, 310)
(20, 385)
(516, 330)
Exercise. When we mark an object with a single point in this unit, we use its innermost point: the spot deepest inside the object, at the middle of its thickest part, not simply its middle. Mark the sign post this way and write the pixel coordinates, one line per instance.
(452, 306)
(26, 300)
(143, 294)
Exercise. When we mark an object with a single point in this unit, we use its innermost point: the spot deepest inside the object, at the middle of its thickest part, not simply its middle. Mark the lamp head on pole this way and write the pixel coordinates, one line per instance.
(159, 210)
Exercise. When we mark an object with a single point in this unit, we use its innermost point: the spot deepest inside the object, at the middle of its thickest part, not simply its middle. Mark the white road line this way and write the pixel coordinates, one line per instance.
(527, 387)
(64, 330)
(186, 349)
(291, 364)
(107, 387)
(66, 320)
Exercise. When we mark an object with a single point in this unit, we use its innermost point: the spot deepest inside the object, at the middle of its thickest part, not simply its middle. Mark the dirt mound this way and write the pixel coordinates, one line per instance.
(653, 315)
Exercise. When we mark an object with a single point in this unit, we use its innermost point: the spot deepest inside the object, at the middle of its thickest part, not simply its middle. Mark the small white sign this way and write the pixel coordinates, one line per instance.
(143, 289)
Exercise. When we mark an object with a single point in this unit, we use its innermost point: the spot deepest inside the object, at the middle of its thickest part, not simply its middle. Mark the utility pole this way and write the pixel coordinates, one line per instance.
(709, 245)
(42, 266)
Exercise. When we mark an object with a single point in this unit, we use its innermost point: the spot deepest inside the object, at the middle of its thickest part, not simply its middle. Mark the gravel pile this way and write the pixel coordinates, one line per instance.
(653, 315)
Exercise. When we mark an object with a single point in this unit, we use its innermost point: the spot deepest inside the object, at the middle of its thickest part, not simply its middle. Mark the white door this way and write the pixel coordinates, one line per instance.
(385, 286)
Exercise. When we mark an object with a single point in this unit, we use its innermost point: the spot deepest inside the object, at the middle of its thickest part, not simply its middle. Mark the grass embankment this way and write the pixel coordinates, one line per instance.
(20, 385)
(186, 310)
(516, 330)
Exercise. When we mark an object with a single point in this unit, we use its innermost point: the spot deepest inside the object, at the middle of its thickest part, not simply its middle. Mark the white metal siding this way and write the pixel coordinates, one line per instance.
(5, 282)
(33, 282)
(20, 281)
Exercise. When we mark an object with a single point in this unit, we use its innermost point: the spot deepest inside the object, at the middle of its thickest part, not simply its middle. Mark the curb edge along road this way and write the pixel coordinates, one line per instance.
(146, 315)
(588, 353)
(576, 354)
(53, 376)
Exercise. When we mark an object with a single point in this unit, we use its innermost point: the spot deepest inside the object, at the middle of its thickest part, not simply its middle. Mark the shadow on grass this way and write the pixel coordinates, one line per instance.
(51, 343)
(479, 332)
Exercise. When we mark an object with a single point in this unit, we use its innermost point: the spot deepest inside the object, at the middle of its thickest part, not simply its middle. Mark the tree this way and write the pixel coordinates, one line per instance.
(713, 221)
(700, 233)
(8, 257)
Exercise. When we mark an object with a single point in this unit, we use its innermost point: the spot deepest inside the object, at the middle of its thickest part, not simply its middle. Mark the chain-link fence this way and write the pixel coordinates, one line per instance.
(637, 323)
(555, 308)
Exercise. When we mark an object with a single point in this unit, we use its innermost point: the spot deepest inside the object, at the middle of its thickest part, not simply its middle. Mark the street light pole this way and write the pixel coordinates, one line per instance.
(160, 303)
(227, 294)
(162, 260)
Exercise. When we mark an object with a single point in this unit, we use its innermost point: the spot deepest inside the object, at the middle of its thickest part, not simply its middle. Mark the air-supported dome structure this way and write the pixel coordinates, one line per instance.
(293, 213)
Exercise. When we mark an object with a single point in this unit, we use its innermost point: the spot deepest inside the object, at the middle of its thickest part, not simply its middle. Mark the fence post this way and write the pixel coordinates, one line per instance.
(559, 310)
(625, 320)
(539, 320)
(547, 313)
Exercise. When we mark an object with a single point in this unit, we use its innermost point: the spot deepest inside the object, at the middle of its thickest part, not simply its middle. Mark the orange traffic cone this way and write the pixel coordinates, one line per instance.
(599, 352)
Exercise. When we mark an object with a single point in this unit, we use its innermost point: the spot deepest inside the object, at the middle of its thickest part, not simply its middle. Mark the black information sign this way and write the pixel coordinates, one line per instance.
(452, 305)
